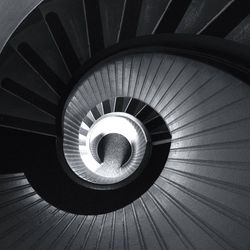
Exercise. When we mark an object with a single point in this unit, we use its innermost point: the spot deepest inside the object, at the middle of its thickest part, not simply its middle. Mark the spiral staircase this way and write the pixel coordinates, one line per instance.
(125, 124)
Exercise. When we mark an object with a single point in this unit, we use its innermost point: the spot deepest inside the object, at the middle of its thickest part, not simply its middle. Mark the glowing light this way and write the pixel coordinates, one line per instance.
(119, 123)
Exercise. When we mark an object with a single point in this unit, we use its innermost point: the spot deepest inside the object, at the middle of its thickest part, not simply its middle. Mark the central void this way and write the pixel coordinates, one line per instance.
(111, 149)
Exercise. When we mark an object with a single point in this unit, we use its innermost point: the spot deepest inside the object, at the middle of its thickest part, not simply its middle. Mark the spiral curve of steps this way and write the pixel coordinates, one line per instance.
(197, 115)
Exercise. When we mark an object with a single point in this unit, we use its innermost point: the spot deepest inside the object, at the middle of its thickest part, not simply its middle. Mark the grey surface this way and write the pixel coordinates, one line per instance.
(12, 13)
(241, 33)
(114, 150)
(151, 13)
(112, 12)
(199, 14)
